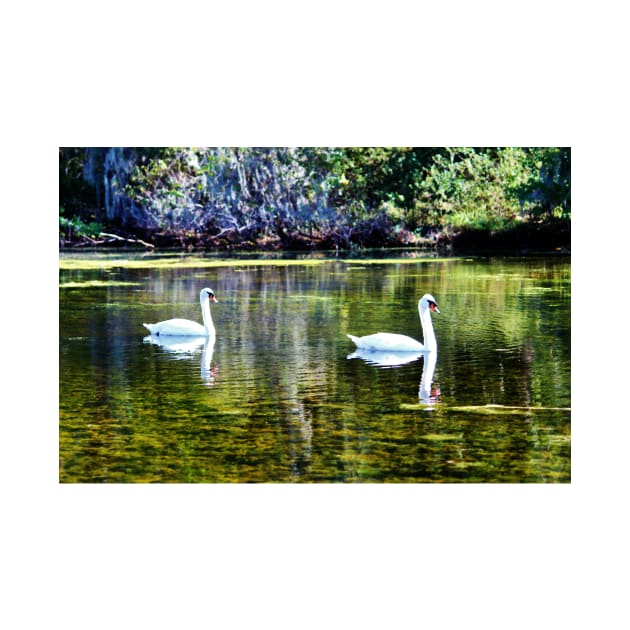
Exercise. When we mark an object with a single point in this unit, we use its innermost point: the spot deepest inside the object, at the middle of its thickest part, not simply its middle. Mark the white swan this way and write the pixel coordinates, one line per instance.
(392, 342)
(186, 327)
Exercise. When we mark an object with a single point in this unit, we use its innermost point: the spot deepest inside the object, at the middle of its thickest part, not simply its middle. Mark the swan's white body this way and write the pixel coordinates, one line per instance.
(392, 342)
(186, 327)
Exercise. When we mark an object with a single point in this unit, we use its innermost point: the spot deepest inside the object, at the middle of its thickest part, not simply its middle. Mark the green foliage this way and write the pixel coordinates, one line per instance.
(76, 227)
(366, 180)
(549, 194)
(493, 188)
(472, 188)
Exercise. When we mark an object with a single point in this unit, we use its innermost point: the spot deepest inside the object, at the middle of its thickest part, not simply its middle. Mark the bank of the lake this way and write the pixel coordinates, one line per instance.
(540, 237)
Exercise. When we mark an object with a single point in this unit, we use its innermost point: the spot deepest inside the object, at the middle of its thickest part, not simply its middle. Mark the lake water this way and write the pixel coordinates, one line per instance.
(277, 398)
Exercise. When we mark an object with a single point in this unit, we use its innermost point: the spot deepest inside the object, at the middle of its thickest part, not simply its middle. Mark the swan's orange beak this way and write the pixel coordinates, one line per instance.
(213, 299)
(433, 307)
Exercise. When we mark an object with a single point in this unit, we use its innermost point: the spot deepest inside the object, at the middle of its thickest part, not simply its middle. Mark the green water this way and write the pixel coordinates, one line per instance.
(277, 399)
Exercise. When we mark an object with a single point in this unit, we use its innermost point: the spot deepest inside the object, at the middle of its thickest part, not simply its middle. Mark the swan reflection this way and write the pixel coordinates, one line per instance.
(176, 344)
(383, 358)
(182, 347)
(426, 393)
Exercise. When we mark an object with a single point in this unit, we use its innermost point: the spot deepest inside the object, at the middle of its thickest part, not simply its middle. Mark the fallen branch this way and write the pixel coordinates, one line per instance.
(110, 238)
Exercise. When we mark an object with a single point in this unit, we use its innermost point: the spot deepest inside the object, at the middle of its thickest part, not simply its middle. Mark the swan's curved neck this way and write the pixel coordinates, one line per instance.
(207, 317)
(429, 341)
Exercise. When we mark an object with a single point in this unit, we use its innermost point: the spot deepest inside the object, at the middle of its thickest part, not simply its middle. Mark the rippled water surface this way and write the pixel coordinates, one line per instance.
(277, 398)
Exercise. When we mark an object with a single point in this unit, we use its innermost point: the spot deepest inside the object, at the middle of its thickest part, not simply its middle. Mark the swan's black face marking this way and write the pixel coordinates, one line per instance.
(433, 307)
(211, 297)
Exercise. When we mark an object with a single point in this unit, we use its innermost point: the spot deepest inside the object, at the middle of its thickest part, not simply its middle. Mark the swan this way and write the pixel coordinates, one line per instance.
(392, 342)
(186, 327)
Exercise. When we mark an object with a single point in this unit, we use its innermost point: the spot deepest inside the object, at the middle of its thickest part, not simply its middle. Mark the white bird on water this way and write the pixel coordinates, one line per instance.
(186, 327)
(392, 342)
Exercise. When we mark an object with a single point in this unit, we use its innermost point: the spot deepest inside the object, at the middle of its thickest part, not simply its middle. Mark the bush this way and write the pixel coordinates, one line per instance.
(494, 188)
(75, 227)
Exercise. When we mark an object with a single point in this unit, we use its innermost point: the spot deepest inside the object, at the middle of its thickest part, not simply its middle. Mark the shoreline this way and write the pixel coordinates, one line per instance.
(526, 237)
